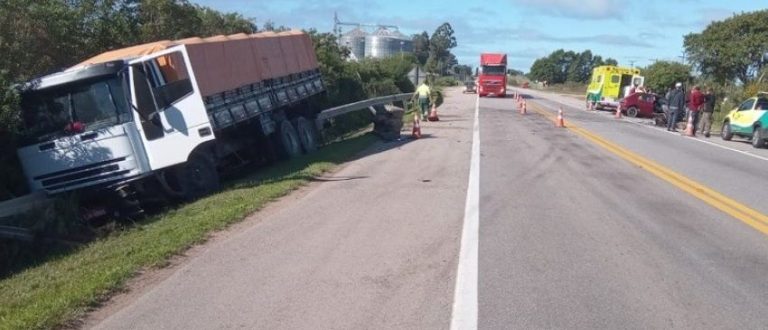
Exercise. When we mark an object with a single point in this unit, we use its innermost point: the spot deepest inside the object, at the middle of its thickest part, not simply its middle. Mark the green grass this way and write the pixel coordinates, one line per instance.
(567, 88)
(61, 290)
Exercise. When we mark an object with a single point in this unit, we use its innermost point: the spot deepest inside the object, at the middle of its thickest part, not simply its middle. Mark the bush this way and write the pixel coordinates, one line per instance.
(445, 82)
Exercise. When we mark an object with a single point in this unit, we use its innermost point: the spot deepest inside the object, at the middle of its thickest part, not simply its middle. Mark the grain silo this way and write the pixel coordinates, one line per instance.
(355, 41)
(385, 43)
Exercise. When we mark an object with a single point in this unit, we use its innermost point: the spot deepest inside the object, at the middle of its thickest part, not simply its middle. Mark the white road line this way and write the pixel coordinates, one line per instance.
(746, 153)
(464, 314)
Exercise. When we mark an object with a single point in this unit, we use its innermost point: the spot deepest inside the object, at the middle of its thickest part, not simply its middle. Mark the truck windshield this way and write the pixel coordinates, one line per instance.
(494, 70)
(73, 108)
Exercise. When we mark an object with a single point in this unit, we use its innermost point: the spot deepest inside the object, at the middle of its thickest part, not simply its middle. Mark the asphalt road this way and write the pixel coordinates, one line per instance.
(571, 235)
(374, 246)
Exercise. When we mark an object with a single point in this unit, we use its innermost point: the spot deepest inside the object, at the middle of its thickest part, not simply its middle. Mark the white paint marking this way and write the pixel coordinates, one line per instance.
(746, 153)
(464, 314)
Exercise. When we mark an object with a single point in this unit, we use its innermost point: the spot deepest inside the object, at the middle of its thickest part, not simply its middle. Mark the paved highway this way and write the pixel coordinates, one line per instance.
(606, 224)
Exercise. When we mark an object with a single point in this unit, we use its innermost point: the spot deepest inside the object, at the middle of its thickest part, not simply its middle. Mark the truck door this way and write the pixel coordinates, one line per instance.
(169, 111)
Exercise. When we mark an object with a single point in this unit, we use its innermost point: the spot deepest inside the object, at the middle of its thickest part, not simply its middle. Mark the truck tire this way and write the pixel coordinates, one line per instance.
(726, 133)
(289, 145)
(307, 134)
(758, 139)
(194, 179)
(632, 112)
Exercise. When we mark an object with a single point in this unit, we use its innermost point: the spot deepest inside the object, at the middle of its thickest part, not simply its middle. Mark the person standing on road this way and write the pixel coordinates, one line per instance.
(423, 93)
(696, 104)
(676, 103)
(707, 111)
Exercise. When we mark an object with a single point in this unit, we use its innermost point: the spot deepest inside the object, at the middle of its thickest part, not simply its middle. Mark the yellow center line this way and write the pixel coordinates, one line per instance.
(745, 214)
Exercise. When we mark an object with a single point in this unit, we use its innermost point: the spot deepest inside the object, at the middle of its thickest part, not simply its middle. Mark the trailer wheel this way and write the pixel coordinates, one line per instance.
(194, 179)
(307, 134)
(288, 140)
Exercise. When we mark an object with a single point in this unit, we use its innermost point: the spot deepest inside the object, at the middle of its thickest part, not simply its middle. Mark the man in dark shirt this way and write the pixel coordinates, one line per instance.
(676, 104)
(706, 113)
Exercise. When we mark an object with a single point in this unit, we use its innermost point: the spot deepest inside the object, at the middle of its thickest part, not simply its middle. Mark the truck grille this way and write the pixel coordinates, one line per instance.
(84, 174)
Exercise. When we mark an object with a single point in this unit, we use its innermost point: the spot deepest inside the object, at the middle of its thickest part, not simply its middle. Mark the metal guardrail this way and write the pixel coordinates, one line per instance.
(16, 233)
(360, 105)
(22, 204)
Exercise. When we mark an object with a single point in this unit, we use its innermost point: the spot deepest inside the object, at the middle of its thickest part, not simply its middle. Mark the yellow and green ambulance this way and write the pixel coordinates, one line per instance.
(609, 84)
(749, 120)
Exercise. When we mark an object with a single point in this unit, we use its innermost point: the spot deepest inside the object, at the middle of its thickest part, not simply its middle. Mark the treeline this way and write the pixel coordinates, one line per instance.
(567, 66)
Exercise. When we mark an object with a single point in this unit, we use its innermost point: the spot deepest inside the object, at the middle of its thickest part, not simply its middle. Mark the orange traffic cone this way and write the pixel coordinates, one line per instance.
(523, 108)
(618, 112)
(560, 122)
(689, 126)
(433, 114)
(416, 133)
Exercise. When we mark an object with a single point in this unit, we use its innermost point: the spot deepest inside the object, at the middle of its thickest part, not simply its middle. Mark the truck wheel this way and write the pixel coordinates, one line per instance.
(194, 179)
(307, 134)
(758, 140)
(632, 112)
(726, 133)
(289, 144)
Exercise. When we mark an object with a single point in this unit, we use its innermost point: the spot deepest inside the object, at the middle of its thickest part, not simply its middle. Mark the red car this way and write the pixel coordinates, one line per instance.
(641, 105)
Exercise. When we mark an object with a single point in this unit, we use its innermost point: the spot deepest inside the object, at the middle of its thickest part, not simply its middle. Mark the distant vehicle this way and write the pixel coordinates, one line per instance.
(641, 105)
(493, 75)
(609, 84)
(470, 87)
(525, 85)
(748, 120)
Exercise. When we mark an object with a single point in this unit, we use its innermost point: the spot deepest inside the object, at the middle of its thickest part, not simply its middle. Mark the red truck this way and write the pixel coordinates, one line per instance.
(493, 75)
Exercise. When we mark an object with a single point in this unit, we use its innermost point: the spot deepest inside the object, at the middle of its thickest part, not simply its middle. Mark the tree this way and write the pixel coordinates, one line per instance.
(269, 25)
(440, 45)
(421, 47)
(544, 69)
(732, 48)
(215, 22)
(664, 74)
(567, 66)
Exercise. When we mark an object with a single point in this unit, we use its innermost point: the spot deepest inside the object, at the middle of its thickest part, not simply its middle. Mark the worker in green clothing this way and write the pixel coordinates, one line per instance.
(423, 93)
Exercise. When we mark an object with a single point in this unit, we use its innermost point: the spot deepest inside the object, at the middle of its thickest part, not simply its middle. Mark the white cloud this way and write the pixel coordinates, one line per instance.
(583, 9)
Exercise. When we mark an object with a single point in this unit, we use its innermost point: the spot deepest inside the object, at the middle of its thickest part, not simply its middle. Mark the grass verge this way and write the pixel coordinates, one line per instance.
(61, 290)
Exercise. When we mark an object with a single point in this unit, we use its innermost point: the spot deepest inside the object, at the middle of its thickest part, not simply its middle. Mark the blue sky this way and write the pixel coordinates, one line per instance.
(632, 32)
